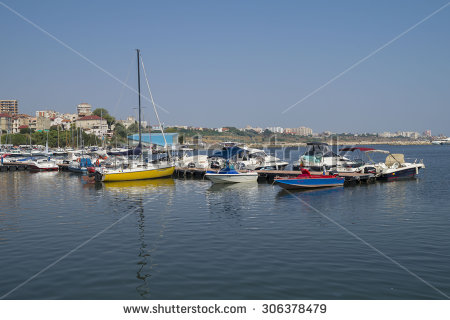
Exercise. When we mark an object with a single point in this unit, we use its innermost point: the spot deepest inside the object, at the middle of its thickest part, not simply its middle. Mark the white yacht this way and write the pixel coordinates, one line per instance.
(246, 158)
(257, 159)
(319, 156)
(187, 159)
(43, 165)
(393, 168)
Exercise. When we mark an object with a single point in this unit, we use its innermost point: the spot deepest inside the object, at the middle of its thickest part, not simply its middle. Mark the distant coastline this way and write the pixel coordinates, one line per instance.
(341, 143)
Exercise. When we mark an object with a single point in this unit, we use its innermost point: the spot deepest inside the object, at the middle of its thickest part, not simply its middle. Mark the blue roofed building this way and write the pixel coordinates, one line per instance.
(154, 138)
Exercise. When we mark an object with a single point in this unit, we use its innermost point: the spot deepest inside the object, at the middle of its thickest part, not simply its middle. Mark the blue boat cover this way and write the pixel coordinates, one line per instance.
(85, 162)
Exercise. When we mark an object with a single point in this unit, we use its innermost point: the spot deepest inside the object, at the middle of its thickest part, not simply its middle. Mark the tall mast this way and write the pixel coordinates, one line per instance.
(139, 93)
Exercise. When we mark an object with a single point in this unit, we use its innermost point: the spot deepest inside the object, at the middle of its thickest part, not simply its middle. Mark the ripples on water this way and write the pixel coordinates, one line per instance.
(188, 239)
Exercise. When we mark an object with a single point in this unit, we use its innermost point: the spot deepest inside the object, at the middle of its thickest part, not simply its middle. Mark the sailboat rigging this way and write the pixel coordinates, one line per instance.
(136, 169)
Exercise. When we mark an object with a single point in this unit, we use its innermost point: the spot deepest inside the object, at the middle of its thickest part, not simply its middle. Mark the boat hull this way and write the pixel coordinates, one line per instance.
(408, 173)
(310, 183)
(138, 175)
(77, 169)
(232, 178)
(37, 168)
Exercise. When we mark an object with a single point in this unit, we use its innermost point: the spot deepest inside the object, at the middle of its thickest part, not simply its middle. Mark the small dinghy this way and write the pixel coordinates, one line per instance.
(307, 181)
(230, 175)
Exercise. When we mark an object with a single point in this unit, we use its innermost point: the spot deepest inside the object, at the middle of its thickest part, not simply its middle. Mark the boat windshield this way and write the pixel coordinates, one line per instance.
(319, 149)
(259, 154)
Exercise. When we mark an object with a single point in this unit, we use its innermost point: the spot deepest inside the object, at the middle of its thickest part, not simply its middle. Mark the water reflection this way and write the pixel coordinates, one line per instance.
(143, 273)
(138, 186)
(138, 194)
(397, 193)
(237, 187)
(231, 200)
(310, 192)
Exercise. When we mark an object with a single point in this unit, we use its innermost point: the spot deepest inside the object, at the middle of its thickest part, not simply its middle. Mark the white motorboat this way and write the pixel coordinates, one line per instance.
(59, 152)
(245, 158)
(43, 165)
(319, 156)
(15, 153)
(187, 159)
(257, 159)
(393, 168)
(441, 141)
(396, 168)
(230, 175)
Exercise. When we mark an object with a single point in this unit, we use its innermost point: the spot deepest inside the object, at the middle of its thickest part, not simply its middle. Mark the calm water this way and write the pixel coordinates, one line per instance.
(184, 239)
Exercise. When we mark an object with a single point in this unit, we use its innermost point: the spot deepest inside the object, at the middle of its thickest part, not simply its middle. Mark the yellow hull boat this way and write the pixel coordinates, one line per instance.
(137, 174)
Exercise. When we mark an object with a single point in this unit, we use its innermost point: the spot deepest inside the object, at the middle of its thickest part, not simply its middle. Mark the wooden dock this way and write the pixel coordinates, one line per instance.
(14, 166)
(350, 177)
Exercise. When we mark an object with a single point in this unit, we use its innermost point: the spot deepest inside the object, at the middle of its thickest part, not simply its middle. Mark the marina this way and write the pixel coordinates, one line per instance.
(199, 173)
(180, 232)
(224, 160)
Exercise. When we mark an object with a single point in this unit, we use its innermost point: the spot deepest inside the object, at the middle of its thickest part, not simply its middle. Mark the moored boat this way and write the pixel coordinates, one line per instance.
(396, 168)
(80, 165)
(230, 175)
(137, 169)
(135, 172)
(307, 181)
(43, 165)
(319, 156)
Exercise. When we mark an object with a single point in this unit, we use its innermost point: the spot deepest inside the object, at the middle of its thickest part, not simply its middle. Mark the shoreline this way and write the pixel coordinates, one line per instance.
(345, 143)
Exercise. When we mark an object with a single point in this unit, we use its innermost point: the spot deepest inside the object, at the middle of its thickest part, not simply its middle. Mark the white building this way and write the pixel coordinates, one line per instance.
(257, 129)
(130, 120)
(301, 131)
(84, 109)
(275, 129)
(93, 124)
(47, 114)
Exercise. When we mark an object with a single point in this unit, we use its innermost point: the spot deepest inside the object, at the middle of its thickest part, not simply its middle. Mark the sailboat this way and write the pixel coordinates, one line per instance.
(136, 169)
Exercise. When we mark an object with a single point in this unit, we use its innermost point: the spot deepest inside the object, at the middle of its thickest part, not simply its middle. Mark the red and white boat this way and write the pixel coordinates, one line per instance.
(43, 165)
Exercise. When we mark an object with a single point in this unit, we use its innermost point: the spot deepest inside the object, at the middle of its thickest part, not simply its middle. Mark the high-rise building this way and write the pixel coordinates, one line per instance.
(10, 107)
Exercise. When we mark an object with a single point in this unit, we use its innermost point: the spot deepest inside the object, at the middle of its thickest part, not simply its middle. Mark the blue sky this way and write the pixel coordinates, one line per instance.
(235, 63)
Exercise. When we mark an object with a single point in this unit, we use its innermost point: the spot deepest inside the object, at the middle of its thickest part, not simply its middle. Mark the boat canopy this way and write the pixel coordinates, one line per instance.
(323, 149)
(226, 153)
(395, 158)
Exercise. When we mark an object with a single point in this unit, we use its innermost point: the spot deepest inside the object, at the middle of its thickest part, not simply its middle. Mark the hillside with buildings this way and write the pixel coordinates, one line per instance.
(102, 126)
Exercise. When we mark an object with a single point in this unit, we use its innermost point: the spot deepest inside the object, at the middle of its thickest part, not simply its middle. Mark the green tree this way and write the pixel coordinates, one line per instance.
(120, 131)
(101, 112)
(133, 128)
(18, 139)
